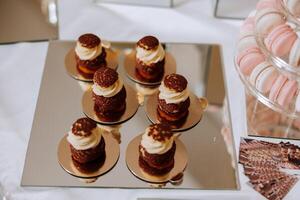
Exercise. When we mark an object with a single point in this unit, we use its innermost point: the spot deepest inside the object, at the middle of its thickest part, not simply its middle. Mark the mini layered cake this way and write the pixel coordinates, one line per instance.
(173, 99)
(157, 150)
(109, 94)
(87, 145)
(89, 54)
(150, 59)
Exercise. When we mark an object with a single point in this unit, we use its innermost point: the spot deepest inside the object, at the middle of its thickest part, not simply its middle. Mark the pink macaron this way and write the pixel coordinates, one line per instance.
(268, 18)
(293, 6)
(262, 4)
(281, 39)
(263, 77)
(247, 35)
(248, 59)
(283, 91)
(294, 57)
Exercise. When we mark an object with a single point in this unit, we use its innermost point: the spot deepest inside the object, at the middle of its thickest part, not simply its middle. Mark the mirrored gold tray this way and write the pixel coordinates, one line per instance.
(59, 105)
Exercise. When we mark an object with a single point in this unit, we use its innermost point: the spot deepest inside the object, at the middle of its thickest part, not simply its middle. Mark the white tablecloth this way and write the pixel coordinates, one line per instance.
(21, 67)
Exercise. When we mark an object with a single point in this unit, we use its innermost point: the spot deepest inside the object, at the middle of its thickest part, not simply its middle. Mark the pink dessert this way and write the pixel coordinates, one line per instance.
(283, 91)
(267, 19)
(248, 59)
(263, 77)
(281, 39)
(247, 35)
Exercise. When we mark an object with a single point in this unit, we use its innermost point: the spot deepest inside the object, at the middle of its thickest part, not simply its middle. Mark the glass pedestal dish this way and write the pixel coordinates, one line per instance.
(273, 99)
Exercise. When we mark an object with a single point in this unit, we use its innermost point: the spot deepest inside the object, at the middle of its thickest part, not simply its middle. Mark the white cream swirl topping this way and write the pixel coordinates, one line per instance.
(85, 142)
(171, 96)
(156, 147)
(86, 53)
(108, 91)
(150, 56)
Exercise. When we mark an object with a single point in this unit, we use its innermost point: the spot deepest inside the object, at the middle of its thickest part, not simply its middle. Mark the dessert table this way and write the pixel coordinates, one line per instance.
(21, 70)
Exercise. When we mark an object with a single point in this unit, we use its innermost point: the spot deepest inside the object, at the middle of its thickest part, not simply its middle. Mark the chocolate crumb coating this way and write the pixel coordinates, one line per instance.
(91, 166)
(110, 116)
(174, 108)
(87, 68)
(158, 160)
(148, 42)
(105, 77)
(160, 132)
(83, 127)
(155, 171)
(150, 73)
(158, 164)
(175, 82)
(174, 120)
(110, 103)
(88, 155)
(89, 40)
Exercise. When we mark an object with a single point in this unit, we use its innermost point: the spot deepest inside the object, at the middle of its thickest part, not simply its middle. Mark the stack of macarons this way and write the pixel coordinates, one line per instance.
(280, 38)
(269, 21)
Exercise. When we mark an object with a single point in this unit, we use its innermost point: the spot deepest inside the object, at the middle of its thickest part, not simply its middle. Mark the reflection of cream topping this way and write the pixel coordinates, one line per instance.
(150, 56)
(85, 142)
(171, 96)
(109, 91)
(156, 147)
(145, 90)
(87, 54)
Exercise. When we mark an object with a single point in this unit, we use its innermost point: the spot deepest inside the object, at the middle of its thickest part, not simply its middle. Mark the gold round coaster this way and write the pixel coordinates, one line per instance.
(112, 151)
(193, 118)
(70, 64)
(129, 66)
(132, 106)
(132, 161)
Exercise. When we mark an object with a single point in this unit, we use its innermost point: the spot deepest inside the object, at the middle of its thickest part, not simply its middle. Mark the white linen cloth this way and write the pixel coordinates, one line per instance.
(21, 67)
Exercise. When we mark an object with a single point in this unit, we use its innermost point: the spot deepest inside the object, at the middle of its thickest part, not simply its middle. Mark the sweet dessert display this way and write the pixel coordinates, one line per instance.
(109, 101)
(263, 164)
(268, 55)
(267, 58)
(157, 155)
(149, 62)
(157, 150)
(109, 94)
(90, 54)
(86, 151)
(173, 99)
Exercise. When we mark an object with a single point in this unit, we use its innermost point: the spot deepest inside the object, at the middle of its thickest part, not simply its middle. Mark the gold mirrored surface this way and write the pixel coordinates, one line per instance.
(132, 161)
(193, 118)
(130, 62)
(112, 152)
(70, 64)
(30, 20)
(132, 106)
(59, 104)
